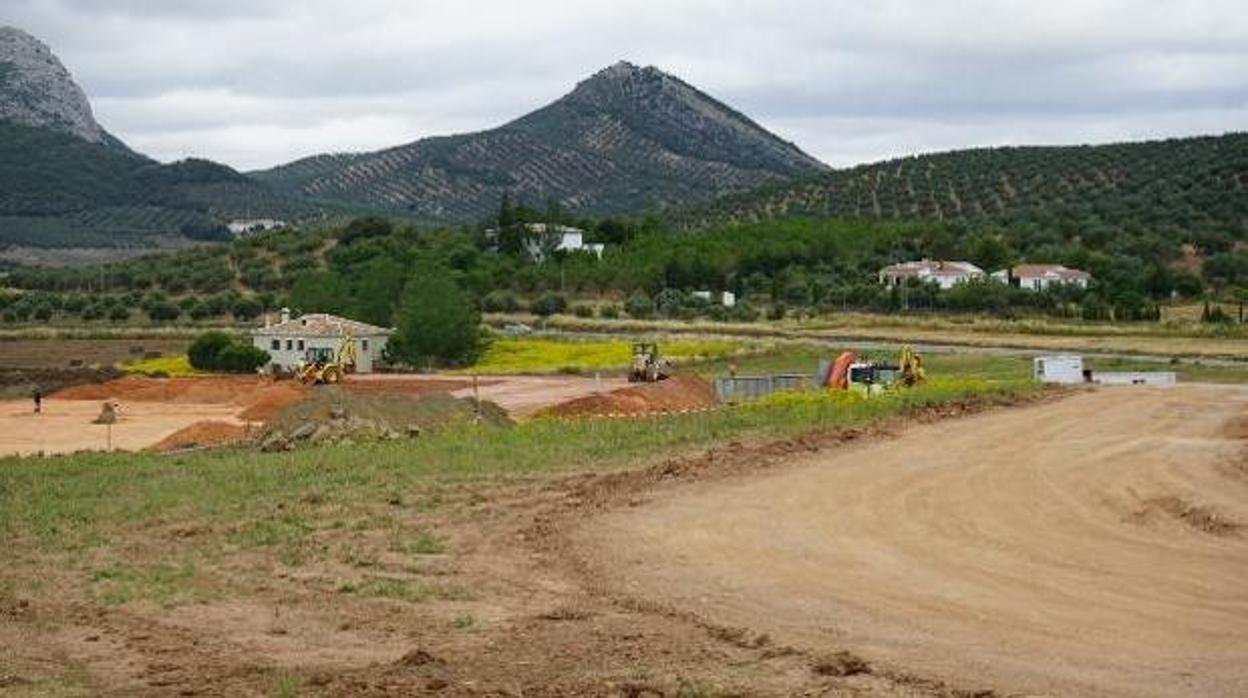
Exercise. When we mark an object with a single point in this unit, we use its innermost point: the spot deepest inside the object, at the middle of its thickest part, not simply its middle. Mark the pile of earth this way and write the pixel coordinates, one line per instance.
(260, 398)
(676, 394)
(21, 382)
(334, 415)
(204, 434)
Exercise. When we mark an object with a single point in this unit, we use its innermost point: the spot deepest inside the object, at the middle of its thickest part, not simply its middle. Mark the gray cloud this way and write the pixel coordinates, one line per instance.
(257, 82)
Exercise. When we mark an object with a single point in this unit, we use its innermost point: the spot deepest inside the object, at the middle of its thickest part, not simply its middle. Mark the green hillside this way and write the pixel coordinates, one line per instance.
(1190, 190)
(58, 190)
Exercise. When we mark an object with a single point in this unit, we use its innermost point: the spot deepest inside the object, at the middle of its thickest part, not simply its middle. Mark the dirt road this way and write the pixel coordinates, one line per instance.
(1094, 546)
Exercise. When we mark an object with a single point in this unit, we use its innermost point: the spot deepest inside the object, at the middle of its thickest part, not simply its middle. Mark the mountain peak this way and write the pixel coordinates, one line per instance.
(37, 90)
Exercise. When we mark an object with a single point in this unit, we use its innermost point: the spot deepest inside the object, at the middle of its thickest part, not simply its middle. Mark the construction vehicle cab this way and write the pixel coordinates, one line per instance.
(647, 365)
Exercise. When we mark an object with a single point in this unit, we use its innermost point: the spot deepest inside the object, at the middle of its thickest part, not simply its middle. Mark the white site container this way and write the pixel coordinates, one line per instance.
(1134, 377)
(1065, 368)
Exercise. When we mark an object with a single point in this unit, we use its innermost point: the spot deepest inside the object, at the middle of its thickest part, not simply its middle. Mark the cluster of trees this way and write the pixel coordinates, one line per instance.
(218, 351)
(156, 306)
(364, 269)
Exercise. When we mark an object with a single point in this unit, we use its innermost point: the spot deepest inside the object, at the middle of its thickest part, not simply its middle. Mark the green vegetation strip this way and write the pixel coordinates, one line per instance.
(262, 500)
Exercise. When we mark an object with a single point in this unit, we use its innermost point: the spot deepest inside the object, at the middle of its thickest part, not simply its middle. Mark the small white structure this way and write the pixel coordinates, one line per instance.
(289, 340)
(1038, 277)
(1066, 368)
(544, 238)
(942, 273)
(727, 299)
(1134, 377)
(250, 226)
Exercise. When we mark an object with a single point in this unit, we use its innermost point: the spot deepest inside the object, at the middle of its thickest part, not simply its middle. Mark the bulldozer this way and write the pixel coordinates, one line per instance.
(647, 365)
(322, 365)
(852, 372)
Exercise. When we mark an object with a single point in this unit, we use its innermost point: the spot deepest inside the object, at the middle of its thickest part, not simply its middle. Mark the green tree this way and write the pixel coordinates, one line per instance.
(437, 322)
(378, 291)
(321, 292)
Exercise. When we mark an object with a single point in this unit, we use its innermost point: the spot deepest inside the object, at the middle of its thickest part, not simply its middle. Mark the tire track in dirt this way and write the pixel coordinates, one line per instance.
(1006, 549)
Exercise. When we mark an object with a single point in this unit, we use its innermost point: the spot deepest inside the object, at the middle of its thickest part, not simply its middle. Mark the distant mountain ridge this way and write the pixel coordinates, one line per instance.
(626, 140)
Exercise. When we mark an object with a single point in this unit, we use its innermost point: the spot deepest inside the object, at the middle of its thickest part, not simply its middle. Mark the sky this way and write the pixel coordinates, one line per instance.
(255, 83)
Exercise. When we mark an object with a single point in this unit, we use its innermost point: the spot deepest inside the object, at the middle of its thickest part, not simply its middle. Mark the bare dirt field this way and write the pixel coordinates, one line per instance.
(62, 352)
(1092, 546)
(178, 412)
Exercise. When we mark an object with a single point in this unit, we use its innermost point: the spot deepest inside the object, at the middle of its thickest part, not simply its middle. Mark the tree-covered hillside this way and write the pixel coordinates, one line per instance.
(1148, 198)
(361, 269)
(58, 190)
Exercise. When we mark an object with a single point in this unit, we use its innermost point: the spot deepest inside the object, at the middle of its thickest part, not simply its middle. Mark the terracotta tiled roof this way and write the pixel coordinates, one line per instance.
(321, 325)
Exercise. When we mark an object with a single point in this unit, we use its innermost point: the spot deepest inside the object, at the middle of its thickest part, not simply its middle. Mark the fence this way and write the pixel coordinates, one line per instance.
(739, 388)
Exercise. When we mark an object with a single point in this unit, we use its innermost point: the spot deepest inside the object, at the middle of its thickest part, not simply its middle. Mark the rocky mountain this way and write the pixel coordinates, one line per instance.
(626, 140)
(66, 182)
(36, 90)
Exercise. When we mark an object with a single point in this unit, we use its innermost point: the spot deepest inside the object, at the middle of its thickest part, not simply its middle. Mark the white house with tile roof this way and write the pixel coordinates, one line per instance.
(942, 273)
(288, 340)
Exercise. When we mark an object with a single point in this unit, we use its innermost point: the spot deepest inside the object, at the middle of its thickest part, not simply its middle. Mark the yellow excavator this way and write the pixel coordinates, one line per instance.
(321, 365)
(850, 372)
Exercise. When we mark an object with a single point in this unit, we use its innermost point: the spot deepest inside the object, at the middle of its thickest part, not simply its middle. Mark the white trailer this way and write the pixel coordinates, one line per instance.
(1062, 368)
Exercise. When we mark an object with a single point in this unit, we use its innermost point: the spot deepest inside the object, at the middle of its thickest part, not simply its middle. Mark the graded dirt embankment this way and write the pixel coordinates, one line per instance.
(1093, 546)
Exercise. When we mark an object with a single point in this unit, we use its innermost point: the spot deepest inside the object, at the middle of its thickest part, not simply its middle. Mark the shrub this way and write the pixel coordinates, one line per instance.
(241, 358)
(500, 302)
(119, 313)
(246, 308)
(583, 311)
(639, 305)
(163, 311)
(218, 351)
(204, 350)
(549, 304)
(610, 312)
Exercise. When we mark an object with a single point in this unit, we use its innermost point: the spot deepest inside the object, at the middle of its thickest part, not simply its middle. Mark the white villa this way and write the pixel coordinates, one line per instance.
(944, 274)
(288, 340)
(1037, 277)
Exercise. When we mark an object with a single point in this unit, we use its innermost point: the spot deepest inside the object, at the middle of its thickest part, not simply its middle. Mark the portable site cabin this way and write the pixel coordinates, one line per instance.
(1059, 369)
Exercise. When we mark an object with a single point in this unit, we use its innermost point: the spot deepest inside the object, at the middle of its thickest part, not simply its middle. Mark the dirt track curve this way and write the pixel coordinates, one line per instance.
(1091, 546)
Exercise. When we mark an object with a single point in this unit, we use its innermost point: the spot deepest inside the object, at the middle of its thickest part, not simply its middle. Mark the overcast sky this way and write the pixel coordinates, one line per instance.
(254, 83)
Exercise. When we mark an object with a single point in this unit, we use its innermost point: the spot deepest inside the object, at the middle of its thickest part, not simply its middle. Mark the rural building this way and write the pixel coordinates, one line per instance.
(288, 340)
(943, 274)
(1037, 277)
(250, 226)
(558, 238)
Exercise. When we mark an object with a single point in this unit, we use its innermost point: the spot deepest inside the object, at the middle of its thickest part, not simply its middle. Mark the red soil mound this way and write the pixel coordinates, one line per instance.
(260, 398)
(401, 386)
(672, 395)
(203, 434)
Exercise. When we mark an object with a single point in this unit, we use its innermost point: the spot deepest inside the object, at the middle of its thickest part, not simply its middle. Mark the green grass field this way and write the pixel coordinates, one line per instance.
(572, 355)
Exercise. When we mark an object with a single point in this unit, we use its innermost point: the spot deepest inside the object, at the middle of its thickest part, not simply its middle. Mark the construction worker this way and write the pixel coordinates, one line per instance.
(38, 397)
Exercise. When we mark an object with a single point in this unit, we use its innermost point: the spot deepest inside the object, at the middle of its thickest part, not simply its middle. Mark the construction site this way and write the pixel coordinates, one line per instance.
(856, 523)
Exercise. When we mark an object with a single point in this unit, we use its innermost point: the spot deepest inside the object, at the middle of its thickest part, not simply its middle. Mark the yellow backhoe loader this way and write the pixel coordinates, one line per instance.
(850, 372)
(321, 365)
